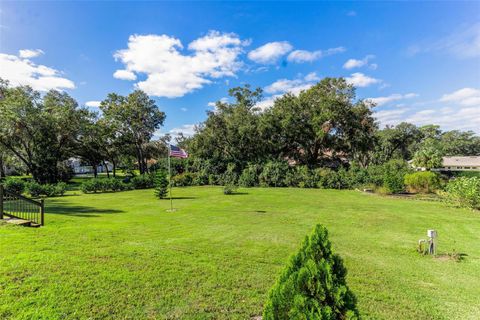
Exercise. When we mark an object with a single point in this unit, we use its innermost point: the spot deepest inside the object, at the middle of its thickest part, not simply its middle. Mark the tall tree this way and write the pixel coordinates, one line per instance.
(134, 118)
(39, 131)
(321, 123)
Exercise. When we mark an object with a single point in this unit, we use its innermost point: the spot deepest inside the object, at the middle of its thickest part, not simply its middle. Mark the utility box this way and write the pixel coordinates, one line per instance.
(432, 233)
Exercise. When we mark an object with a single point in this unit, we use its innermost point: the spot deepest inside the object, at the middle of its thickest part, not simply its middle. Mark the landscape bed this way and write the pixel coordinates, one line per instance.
(122, 255)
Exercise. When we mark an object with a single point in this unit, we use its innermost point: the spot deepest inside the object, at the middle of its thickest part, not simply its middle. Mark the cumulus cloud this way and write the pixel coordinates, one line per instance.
(361, 80)
(465, 97)
(270, 52)
(93, 104)
(21, 71)
(30, 53)
(357, 63)
(170, 73)
(380, 101)
(281, 86)
(124, 75)
(301, 56)
(187, 130)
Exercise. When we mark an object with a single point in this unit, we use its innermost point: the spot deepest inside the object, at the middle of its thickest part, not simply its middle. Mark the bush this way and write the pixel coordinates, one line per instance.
(273, 174)
(14, 185)
(103, 185)
(313, 285)
(65, 171)
(144, 181)
(328, 179)
(49, 190)
(229, 189)
(464, 192)
(394, 175)
(184, 180)
(423, 181)
(161, 184)
(250, 176)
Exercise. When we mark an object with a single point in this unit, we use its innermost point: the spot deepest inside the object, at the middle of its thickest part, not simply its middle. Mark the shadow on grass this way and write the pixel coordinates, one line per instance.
(180, 198)
(63, 208)
(238, 193)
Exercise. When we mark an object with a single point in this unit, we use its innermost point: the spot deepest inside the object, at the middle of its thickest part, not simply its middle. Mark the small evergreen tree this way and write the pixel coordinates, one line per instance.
(313, 284)
(161, 184)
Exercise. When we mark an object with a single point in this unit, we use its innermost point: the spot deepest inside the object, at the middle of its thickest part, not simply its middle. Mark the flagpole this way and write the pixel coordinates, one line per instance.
(170, 178)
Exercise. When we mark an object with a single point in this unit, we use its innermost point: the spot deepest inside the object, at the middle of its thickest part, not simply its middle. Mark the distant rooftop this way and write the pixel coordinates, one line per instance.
(472, 161)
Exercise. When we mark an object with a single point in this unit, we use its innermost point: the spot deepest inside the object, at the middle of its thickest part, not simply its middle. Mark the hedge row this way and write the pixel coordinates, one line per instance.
(35, 189)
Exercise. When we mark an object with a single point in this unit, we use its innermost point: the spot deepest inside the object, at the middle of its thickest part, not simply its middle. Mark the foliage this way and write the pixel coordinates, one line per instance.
(313, 285)
(161, 184)
(250, 175)
(48, 190)
(464, 192)
(422, 181)
(41, 131)
(106, 185)
(144, 181)
(184, 180)
(134, 119)
(394, 175)
(429, 156)
(229, 189)
(14, 185)
(273, 174)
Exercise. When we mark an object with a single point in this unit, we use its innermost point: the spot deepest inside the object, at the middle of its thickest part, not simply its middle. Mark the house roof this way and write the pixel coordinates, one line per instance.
(472, 161)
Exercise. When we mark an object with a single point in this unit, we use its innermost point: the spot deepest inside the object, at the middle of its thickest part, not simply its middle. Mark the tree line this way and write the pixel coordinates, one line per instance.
(323, 126)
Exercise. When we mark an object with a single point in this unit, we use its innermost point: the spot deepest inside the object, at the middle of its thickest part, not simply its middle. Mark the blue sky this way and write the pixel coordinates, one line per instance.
(419, 61)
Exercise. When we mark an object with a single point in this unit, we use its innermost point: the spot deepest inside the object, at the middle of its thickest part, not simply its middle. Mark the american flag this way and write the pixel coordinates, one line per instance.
(177, 152)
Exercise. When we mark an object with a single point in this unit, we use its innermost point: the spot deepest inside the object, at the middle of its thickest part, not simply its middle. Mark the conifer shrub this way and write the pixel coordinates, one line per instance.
(161, 184)
(313, 284)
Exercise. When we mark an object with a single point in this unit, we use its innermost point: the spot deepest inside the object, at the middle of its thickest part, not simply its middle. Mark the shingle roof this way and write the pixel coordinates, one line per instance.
(473, 161)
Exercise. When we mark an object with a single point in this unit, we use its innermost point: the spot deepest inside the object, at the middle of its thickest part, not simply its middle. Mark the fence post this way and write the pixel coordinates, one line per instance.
(1, 201)
(42, 212)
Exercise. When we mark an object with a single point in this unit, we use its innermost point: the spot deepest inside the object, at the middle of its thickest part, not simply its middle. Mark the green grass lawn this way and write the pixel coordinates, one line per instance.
(122, 256)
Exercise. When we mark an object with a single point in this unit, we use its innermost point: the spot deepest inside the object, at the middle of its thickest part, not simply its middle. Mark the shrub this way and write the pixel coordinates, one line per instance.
(306, 177)
(14, 185)
(328, 179)
(229, 189)
(35, 189)
(161, 184)
(394, 174)
(313, 284)
(91, 185)
(49, 190)
(273, 174)
(144, 181)
(423, 181)
(250, 175)
(183, 180)
(464, 192)
(65, 171)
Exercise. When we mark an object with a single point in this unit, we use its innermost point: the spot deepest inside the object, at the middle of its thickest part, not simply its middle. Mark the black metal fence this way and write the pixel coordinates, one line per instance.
(17, 206)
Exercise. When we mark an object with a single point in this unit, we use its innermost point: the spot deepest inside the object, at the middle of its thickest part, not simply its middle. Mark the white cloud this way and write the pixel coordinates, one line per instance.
(21, 71)
(213, 104)
(351, 13)
(124, 75)
(358, 79)
(30, 53)
(173, 74)
(357, 63)
(94, 104)
(380, 101)
(188, 130)
(454, 115)
(282, 86)
(184, 109)
(270, 52)
(294, 86)
(300, 56)
(464, 97)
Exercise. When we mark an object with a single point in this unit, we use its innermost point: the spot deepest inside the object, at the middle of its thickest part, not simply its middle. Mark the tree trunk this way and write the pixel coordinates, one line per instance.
(106, 168)
(114, 168)
(95, 173)
(2, 169)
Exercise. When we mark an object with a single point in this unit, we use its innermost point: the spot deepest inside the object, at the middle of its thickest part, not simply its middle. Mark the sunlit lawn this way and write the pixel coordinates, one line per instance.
(123, 256)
